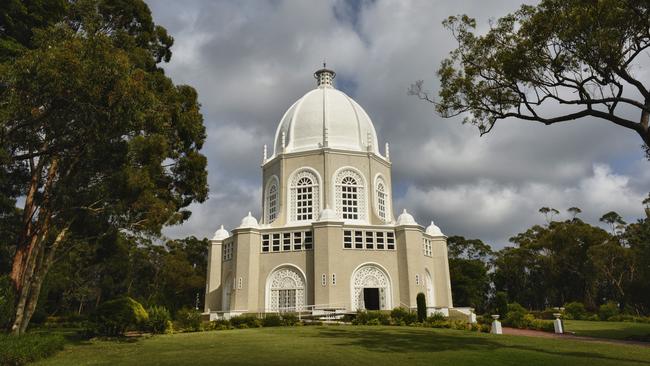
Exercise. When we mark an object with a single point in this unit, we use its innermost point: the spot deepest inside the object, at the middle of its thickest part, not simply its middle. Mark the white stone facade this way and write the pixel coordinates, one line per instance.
(328, 239)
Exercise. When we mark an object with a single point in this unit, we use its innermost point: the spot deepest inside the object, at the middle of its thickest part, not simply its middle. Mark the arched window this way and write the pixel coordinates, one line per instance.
(350, 196)
(381, 199)
(304, 196)
(272, 200)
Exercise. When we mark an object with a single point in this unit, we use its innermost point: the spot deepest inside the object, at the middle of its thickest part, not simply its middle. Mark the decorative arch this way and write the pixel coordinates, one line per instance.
(350, 194)
(272, 199)
(286, 289)
(304, 195)
(371, 275)
(431, 295)
(382, 199)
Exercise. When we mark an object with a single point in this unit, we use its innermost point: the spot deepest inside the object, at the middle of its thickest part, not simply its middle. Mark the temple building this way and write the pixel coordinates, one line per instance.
(327, 240)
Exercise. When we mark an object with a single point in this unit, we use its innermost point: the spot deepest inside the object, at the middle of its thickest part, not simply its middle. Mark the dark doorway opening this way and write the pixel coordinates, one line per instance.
(371, 298)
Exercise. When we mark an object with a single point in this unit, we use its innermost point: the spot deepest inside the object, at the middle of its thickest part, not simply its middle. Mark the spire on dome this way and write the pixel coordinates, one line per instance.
(325, 77)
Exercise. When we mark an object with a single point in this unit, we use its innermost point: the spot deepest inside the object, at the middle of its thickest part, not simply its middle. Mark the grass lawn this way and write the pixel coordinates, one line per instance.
(613, 330)
(348, 345)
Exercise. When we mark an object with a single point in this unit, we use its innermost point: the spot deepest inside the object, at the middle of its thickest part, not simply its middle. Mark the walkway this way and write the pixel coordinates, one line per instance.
(541, 334)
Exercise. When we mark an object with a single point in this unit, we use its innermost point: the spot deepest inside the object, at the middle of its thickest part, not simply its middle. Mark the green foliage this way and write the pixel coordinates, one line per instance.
(575, 310)
(574, 53)
(516, 316)
(20, 350)
(422, 306)
(159, 319)
(501, 303)
(245, 321)
(272, 320)
(608, 310)
(373, 317)
(401, 315)
(220, 324)
(436, 317)
(290, 319)
(189, 319)
(7, 301)
(115, 317)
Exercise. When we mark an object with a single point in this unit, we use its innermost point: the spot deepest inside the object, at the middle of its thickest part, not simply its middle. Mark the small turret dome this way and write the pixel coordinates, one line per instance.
(405, 218)
(434, 230)
(325, 117)
(328, 215)
(248, 222)
(221, 234)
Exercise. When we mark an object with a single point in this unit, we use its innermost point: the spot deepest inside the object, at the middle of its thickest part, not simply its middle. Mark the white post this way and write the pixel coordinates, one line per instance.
(557, 323)
(496, 325)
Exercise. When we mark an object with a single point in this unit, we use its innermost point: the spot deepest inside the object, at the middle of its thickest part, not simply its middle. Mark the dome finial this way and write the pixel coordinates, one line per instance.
(325, 77)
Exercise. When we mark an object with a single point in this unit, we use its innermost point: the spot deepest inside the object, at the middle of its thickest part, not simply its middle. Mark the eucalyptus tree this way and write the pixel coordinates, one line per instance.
(554, 62)
(95, 136)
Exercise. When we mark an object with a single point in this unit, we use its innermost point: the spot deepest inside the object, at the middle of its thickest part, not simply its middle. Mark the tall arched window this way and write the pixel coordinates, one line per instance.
(382, 200)
(304, 196)
(350, 196)
(272, 200)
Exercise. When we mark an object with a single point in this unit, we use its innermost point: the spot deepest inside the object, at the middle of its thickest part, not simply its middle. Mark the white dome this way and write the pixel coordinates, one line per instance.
(221, 234)
(405, 218)
(249, 222)
(434, 230)
(328, 117)
(328, 215)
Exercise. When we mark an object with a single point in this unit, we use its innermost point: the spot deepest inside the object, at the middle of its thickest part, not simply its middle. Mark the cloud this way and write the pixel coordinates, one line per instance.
(494, 212)
(250, 61)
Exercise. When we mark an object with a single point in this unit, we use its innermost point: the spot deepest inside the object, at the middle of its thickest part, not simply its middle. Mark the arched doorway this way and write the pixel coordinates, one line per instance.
(285, 290)
(371, 288)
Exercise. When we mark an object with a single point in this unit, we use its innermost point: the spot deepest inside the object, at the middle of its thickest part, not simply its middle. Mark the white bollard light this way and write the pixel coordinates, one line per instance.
(496, 325)
(557, 323)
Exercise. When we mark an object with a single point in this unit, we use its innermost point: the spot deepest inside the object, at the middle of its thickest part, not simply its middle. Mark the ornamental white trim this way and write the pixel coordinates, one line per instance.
(431, 297)
(286, 289)
(350, 198)
(304, 199)
(371, 275)
(272, 200)
(382, 199)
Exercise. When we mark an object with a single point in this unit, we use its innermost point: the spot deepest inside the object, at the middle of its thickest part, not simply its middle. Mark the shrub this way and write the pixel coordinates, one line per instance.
(220, 324)
(575, 310)
(435, 317)
(517, 316)
(29, 347)
(245, 321)
(7, 301)
(290, 319)
(114, 317)
(403, 315)
(422, 306)
(272, 320)
(189, 319)
(608, 310)
(159, 319)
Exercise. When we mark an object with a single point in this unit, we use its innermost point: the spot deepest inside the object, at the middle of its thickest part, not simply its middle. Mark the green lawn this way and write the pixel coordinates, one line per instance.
(348, 345)
(613, 330)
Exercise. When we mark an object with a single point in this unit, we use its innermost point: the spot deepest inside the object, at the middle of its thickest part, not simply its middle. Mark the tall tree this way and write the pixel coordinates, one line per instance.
(469, 264)
(554, 62)
(96, 135)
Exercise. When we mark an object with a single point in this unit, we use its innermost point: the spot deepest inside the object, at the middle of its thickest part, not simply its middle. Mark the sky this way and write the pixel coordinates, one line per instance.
(250, 60)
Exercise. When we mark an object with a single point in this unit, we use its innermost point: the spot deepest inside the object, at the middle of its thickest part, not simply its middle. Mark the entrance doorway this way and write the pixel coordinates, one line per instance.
(371, 298)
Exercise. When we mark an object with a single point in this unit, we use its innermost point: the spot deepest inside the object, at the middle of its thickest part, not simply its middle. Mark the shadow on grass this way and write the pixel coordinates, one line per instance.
(412, 340)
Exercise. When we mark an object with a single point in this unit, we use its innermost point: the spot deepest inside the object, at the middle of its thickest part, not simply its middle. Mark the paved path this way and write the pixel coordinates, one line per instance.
(540, 334)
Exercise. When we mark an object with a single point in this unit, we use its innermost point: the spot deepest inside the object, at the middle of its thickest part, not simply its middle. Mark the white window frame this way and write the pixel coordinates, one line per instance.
(382, 199)
(272, 205)
(340, 201)
(292, 205)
